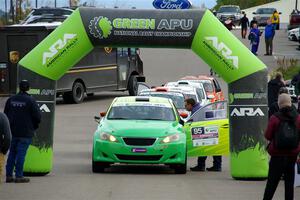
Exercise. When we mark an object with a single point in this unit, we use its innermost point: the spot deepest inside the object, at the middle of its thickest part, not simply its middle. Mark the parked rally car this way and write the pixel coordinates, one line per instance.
(190, 89)
(211, 86)
(148, 130)
(176, 96)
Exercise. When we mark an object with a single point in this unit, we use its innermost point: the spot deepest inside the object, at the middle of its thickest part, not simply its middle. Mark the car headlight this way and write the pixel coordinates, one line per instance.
(108, 137)
(170, 138)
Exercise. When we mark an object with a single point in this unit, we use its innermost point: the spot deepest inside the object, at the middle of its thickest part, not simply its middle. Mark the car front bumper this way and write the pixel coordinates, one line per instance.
(118, 152)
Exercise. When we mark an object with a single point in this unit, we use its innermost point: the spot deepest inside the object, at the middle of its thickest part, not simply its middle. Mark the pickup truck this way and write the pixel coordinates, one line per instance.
(294, 20)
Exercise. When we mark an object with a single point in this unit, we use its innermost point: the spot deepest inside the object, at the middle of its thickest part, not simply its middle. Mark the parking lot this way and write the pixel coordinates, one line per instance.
(72, 176)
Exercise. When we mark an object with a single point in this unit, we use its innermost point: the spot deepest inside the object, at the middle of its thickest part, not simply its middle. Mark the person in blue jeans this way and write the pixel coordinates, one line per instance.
(269, 36)
(254, 37)
(24, 117)
(192, 106)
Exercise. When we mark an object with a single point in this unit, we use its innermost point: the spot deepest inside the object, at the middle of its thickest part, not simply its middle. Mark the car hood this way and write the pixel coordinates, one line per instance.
(141, 128)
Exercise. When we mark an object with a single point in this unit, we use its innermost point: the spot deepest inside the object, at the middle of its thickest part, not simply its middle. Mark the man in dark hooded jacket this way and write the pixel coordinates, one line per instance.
(24, 118)
(273, 88)
(282, 160)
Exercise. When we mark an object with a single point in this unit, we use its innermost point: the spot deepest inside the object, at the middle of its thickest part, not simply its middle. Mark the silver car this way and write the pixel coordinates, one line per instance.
(263, 14)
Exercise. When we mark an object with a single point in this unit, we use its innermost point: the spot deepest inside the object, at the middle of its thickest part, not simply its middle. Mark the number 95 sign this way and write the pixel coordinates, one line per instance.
(205, 136)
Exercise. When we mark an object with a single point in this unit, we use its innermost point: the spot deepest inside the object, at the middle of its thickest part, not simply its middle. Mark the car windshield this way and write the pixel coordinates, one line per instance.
(228, 10)
(208, 87)
(48, 20)
(141, 112)
(177, 98)
(265, 11)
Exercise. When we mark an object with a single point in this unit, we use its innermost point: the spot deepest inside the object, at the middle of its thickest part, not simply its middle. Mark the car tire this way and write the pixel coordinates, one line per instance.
(99, 167)
(180, 168)
(132, 85)
(76, 95)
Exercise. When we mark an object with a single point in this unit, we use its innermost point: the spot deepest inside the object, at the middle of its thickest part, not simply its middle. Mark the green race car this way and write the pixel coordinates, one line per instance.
(140, 130)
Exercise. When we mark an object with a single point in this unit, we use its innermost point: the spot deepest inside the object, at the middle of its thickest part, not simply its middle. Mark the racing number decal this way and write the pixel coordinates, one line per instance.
(205, 136)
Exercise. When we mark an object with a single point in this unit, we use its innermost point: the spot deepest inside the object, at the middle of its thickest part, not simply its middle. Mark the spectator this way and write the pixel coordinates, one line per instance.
(282, 160)
(253, 21)
(269, 36)
(192, 106)
(275, 20)
(24, 117)
(244, 23)
(274, 108)
(5, 139)
(229, 24)
(273, 88)
(254, 37)
(296, 83)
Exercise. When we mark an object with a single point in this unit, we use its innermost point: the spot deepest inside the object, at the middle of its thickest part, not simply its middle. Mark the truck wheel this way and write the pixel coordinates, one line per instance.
(76, 95)
(132, 85)
(78, 92)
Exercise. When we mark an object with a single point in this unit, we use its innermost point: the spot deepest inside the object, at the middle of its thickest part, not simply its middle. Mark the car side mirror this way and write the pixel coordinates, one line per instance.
(254, 13)
(280, 13)
(97, 119)
(183, 115)
(102, 114)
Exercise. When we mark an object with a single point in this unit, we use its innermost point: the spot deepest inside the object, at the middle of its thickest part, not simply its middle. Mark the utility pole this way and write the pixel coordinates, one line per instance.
(12, 10)
(6, 14)
(36, 3)
(296, 5)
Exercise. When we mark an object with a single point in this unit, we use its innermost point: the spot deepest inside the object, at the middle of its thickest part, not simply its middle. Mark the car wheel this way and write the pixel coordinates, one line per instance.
(99, 167)
(132, 85)
(180, 168)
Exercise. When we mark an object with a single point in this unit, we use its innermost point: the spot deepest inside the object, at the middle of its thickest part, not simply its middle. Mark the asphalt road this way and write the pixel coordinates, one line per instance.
(72, 177)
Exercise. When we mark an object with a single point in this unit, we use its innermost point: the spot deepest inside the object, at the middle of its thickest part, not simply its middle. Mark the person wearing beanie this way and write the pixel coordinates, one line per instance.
(283, 134)
(24, 117)
(274, 108)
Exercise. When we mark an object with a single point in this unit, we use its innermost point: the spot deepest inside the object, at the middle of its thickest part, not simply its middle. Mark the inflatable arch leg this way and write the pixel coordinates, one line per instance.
(194, 29)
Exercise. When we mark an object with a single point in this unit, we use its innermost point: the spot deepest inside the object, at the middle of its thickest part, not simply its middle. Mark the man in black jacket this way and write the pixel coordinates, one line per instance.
(273, 88)
(24, 117)
(5, 139)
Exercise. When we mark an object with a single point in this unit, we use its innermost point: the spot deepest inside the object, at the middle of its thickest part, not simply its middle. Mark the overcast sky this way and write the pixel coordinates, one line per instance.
(109, 3)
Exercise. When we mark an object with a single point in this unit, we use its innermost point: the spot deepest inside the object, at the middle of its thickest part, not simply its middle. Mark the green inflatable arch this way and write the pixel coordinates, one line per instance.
(190, 29)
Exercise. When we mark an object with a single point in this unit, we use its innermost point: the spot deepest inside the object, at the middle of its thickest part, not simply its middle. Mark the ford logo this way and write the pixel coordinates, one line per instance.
(171, 4)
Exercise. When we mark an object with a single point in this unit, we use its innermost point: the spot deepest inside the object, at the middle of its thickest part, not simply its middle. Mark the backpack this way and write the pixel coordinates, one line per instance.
(287, 136)
(251, 36)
